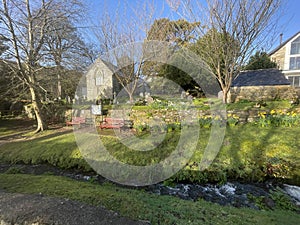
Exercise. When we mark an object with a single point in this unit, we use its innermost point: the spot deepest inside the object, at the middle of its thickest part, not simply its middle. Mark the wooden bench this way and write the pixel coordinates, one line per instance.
(76, 121)
(112, 123)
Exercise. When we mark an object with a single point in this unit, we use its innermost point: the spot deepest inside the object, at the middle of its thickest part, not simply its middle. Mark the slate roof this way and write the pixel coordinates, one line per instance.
(263, 77)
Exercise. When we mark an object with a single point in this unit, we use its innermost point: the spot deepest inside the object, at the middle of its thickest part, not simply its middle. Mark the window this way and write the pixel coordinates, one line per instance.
(83, 90)
(295, 63)
(295, 80)
(295, 46)
(99, 80)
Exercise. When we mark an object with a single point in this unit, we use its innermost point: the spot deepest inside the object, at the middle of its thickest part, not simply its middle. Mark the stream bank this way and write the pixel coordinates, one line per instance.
(255, 195)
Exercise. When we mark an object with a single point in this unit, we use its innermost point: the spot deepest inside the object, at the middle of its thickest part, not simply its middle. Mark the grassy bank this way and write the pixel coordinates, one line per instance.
(137, 204)
(57, 149)
(248, 153)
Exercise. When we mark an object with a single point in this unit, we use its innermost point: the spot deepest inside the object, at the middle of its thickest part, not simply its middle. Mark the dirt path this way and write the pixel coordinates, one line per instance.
(39, 209)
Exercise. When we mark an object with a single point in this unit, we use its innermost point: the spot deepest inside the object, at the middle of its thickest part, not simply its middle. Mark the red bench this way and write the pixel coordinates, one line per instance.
(112, 123)
(76, 121)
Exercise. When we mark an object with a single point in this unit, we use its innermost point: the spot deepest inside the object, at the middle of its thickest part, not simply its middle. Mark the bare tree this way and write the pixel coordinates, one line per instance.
(26, 25)
(230, 31)
(116, 30)
(65, 49)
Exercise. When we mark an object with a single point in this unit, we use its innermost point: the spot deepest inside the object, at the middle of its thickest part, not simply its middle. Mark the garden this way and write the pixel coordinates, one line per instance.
(265, 150)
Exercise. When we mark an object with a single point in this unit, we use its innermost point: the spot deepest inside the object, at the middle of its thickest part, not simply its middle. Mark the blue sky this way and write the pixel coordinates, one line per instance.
(292, 18)
(290, 21)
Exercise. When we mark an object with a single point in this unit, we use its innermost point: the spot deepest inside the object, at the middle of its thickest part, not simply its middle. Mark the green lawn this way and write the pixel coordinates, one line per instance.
(248, 153)
(57, 149)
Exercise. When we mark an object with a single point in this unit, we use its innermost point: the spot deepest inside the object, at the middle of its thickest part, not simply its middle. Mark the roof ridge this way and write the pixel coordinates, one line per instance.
(284, 43)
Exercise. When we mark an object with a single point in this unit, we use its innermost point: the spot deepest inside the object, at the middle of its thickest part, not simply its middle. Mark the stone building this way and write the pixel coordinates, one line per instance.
(261, 85)
(287, 57)
(100, 81)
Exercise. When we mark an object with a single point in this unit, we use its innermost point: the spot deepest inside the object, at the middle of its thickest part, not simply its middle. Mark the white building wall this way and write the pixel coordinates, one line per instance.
(99, 81)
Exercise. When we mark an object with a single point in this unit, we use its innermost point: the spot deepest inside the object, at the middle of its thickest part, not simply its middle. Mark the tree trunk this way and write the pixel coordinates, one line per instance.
(225, 95)
(58, 86)
(59, 69)
(37, 108)
(131, 99)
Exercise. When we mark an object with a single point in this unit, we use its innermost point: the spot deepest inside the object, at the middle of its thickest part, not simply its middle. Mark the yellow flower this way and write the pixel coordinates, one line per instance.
(217, 117)
(272, 112)
(262, 115)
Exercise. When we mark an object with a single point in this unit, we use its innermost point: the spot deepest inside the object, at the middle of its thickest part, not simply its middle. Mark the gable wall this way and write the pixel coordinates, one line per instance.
(279, 58)
(106, 87)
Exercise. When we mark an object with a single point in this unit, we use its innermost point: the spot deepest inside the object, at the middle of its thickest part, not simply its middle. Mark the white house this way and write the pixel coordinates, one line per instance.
(287, 57)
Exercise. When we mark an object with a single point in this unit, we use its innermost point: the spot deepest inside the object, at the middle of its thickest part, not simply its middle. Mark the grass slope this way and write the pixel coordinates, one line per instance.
(245, 150)
(249, 153)
(137, 204)
(58, 149)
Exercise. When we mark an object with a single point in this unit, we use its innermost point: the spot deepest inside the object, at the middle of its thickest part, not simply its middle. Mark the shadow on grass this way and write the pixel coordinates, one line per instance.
(249, 152)
(12, 129)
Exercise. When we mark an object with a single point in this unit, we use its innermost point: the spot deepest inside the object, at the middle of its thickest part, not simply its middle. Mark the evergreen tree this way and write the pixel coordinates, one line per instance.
(260, 60)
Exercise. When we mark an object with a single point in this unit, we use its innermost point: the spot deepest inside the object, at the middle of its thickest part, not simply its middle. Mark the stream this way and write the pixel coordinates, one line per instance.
(231, 194)
(234, 194)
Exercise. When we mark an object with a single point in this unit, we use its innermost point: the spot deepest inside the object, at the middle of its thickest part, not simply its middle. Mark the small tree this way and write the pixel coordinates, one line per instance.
(260, 60)
(117, 36)
(231, 30)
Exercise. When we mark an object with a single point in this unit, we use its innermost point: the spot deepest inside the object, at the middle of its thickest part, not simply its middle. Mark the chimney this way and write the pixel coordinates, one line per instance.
(280, 38)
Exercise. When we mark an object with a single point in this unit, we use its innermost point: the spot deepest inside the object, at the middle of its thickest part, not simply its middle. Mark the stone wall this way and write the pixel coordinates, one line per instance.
(297, 90)
(168, 116)
(279, 57)
(172, 116)
(264, 93)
